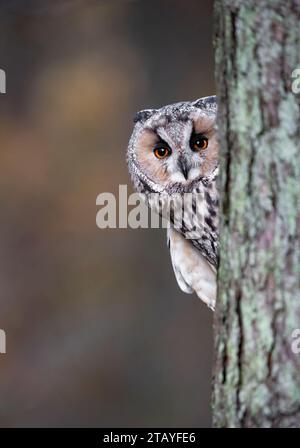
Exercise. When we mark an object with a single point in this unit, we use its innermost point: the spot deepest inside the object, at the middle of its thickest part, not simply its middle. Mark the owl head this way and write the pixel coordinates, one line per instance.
(172, 148)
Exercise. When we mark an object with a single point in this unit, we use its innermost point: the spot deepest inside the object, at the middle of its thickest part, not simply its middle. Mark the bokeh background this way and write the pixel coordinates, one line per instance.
(98, 333)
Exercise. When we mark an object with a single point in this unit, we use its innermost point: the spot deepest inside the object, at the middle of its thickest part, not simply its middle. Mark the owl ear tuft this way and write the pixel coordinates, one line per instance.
(143, 115)
(206, 102)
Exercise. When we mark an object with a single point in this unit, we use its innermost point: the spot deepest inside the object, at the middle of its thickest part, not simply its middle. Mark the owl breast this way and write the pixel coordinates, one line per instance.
(193, 213)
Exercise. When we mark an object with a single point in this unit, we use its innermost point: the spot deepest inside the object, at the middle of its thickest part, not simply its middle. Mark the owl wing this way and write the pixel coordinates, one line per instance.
(192, 271)
(173, 247)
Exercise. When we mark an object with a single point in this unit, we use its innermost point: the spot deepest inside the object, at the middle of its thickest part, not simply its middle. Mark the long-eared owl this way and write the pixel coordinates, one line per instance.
(172, 158)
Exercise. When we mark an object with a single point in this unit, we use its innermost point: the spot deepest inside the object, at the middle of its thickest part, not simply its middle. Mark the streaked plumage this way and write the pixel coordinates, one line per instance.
(173, 151)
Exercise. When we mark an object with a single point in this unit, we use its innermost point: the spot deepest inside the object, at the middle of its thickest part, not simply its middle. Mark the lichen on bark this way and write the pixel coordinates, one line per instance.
(256, 374)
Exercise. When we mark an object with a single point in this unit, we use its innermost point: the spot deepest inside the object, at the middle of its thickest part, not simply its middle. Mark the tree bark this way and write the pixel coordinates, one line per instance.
(256, 372)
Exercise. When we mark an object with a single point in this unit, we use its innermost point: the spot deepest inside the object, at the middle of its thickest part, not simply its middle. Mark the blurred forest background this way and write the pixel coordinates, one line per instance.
(98, 333)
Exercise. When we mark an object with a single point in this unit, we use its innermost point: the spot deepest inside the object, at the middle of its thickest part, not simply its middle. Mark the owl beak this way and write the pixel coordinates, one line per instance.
(183, 167)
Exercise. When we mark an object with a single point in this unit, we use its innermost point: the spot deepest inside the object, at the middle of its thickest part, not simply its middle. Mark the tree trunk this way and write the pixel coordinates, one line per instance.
(256, 372)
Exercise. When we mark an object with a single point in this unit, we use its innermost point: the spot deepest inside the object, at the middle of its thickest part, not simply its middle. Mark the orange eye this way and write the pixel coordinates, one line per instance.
(161, 152)
(198, 142)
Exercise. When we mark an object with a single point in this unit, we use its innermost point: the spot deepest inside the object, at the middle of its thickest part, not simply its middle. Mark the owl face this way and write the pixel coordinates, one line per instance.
(172, 148)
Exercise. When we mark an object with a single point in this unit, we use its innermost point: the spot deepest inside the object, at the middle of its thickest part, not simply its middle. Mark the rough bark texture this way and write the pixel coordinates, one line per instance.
(256, 374)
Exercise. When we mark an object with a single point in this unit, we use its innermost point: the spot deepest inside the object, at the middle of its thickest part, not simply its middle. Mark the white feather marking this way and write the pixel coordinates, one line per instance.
(177, 177)
(193, 272)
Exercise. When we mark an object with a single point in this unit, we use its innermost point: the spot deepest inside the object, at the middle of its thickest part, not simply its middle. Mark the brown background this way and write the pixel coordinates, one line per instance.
(98, 333)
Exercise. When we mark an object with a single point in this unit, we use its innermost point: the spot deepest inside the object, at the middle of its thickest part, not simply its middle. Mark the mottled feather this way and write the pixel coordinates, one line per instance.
(193, 245)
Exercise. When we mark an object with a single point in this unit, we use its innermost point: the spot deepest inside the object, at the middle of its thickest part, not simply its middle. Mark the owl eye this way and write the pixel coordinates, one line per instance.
(198, 142)
(161, 152)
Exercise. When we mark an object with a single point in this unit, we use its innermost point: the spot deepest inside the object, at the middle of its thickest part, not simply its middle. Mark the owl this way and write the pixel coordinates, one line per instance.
(173, 155)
